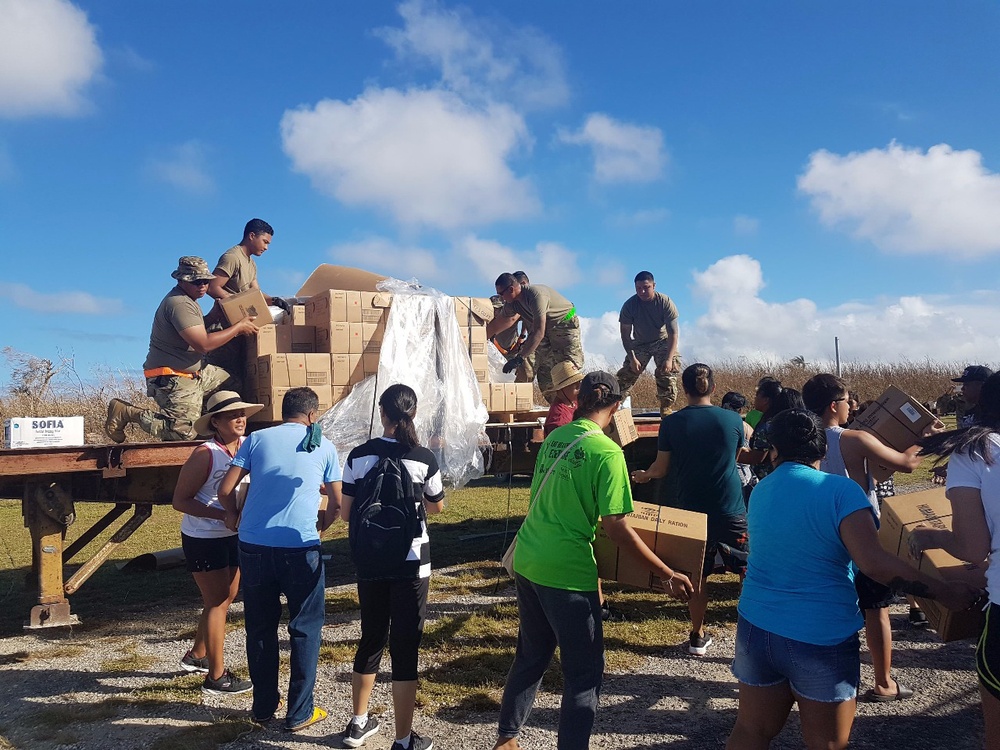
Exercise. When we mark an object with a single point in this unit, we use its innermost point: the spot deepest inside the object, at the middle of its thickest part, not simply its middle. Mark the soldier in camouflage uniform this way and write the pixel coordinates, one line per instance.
(506, 340)
(553, 325)
(176, 376)
(648, 323)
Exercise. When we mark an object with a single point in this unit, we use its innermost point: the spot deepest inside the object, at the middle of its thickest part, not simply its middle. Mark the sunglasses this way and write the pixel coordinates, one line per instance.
(200, 282)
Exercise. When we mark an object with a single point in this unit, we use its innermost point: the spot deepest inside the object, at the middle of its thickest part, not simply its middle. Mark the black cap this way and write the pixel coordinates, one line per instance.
(974, 374)
(592, 380)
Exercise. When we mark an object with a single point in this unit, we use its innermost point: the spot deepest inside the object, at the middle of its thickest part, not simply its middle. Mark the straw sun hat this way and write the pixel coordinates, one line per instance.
(219, 403)
(564, 374)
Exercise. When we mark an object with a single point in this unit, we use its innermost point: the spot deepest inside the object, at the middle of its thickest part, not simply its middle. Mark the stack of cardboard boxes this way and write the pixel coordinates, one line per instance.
(333, 341)
(473, 314)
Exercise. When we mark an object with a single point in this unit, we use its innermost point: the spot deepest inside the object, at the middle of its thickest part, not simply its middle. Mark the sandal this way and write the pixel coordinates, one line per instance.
(901, 694)
(318, 715)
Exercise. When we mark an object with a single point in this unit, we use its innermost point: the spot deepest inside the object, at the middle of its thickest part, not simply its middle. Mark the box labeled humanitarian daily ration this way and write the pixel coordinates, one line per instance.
(895, 418)
(675, 536)
(42, 432)
(248, 304)
(900, 515)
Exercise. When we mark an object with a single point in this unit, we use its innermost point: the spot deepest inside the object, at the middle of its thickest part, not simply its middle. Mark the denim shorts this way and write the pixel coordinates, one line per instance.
(826, 674)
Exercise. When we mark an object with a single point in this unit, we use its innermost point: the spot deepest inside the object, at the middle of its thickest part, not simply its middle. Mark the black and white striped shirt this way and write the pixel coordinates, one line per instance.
(426, 476)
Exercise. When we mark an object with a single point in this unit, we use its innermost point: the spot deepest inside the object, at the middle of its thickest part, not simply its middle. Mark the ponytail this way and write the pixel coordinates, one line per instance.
(698, 380)
(399, 402)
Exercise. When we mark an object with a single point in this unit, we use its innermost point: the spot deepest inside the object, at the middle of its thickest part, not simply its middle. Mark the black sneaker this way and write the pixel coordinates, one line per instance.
(917, 618)
(612, 614)
(416, 743)
(191, 663)
(228, 684)
(698, 644)
(355, 736)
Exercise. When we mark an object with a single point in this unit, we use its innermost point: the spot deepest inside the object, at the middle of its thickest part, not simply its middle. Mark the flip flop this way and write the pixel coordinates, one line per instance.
(318, 715)
(901, 694)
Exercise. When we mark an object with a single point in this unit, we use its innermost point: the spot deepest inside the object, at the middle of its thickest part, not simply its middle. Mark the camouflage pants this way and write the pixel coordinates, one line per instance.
(231, 356)
(181, 401)
(666, 383)
(561, 344)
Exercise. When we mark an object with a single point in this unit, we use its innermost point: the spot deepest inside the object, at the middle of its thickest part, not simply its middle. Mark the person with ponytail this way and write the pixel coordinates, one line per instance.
(797, 630)
(701, 442)
(580, 477)
(394, 605)
(973, 487)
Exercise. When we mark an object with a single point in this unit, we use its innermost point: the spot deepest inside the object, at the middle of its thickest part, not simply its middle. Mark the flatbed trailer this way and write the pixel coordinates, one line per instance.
(137, 476)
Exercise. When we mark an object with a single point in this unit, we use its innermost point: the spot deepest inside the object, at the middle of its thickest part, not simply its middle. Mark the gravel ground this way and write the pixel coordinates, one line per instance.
(672, 700)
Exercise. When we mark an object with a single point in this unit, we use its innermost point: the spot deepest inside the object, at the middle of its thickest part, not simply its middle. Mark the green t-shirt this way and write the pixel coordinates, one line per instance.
(538, 301)
(753, 418)
(167, 348)
(649, 320)
(239, 267)
(703, 442)
(555, 542)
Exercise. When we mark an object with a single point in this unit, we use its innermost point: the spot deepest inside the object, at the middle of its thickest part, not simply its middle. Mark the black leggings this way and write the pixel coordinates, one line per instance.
(401, 603)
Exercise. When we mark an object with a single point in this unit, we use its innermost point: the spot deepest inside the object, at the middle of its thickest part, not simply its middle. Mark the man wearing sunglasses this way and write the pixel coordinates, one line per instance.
(552, 323)
(176, 376)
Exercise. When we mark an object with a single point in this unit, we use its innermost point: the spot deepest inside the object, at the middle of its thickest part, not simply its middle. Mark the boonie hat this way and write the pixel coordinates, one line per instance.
(564, 374)
(219, 403)
(192, 268)
(593, 380)
(973, 374)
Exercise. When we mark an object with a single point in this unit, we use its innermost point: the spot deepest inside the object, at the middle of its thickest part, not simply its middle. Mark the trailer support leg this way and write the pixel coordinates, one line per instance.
(48, 510)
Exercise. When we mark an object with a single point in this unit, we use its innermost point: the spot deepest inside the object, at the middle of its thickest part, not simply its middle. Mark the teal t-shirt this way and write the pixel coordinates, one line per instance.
(702, 441)
(800, 579)
(555, 542)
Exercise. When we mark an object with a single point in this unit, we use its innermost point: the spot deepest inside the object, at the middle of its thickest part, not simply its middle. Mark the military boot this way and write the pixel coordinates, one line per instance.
(120, 414)
(665, 410)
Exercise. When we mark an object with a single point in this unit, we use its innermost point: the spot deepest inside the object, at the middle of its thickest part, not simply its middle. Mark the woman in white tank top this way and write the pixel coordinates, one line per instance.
(210, 549)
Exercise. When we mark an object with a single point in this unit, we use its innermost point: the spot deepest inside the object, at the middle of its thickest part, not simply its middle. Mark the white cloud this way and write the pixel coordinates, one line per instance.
(480, 60)
(426, 157)
(48, 56)
(736, 322)
(622, 152)
(58, 303)
(183, 167)
(745, 226)
(382, 255)
(906, 201)
(549, 260)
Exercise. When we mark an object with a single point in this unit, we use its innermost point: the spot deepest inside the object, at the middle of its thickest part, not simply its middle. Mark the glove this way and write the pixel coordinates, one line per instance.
(513, 363)
(283, 303)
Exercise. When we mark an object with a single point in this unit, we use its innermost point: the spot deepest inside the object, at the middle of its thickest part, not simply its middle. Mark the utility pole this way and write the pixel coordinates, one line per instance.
(836, 349)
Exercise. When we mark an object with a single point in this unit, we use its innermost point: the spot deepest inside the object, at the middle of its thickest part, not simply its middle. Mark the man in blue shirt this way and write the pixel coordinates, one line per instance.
(280, 553)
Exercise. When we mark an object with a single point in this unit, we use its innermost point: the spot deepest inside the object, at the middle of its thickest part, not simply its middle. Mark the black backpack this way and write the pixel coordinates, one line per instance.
(384, 520)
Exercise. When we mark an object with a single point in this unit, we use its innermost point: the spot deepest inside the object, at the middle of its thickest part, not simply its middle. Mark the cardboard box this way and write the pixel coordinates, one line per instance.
(374, 306)
(484, 392)
(895, 418)
(318, 369)
(356, 337)
(481, 366)
(296, 318)
(371, 336)
(474, 339)
(333, 337)
(675, 536)
(518, 397)
(248, 304)
(353, 307)
(327, 276)
(369, 364)
(622, 428)
(275, 339)
(498, 396)
(271, 398)
(338, 392)
(347, 369)
(280, 371)
(326, 307)
(473, 311)
(900, 514)
(42, 432)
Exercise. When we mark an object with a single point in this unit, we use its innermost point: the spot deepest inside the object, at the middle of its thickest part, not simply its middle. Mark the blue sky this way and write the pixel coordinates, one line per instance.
(790, 172)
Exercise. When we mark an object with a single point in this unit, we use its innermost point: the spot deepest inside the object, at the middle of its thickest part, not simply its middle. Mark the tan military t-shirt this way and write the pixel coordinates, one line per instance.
(536, 301)
(648, 319)
(239, 267)
(167, 348)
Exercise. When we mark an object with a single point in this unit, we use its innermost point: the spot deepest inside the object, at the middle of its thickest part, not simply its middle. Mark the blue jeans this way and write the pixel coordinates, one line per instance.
(571, 620)
(297, 573)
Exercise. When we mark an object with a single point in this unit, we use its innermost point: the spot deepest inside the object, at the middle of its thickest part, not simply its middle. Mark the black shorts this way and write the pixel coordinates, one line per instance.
(728, 541)
(211, 553)
(988, 653)
(872, 594)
